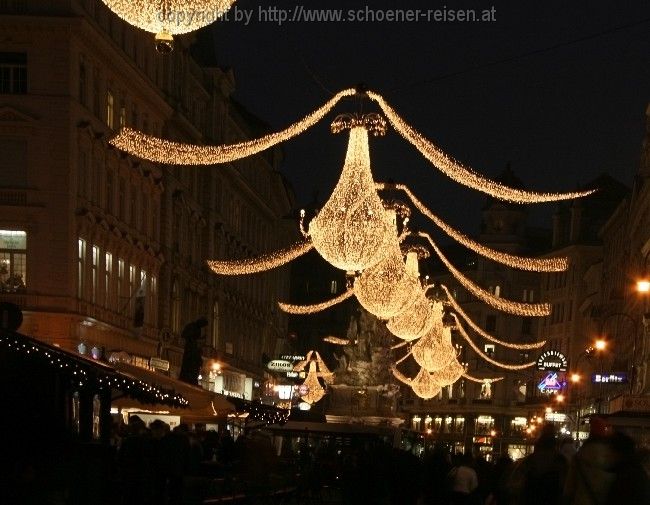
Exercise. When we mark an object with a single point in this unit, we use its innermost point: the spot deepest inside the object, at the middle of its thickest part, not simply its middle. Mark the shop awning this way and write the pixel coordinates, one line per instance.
(203, 405)
(84, 372)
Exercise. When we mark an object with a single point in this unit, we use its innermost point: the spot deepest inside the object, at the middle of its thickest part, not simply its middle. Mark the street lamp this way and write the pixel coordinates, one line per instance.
(643, 286)
(600, 344)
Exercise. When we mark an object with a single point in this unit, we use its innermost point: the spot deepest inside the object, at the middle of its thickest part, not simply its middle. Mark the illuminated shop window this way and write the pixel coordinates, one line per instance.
(13, 260)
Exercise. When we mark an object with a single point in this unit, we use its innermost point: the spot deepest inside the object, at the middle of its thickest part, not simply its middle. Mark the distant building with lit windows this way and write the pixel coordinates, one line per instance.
(107, 250)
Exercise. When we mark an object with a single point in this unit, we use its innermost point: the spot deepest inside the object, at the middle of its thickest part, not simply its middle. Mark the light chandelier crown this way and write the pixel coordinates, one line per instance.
(352, 231)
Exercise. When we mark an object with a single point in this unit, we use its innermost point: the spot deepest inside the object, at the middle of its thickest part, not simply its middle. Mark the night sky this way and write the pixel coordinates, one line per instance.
(558, 89)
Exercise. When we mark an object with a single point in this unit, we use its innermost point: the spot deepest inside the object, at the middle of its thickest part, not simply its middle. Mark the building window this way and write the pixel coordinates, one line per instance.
(110, 197)
(153, 299)
(120, 283)
(110, 109)
(131, 287)
(490, 322)
(13, 73)
(108, 271)
(121, 199)
(489, 349)
(215, 325)
(13, 260)
(484, 425)
(81, 269)
(95, 272)
(82, 179)
(486, 391)
(176, 308)
(497, 291)
(122, 116)
(333, 287)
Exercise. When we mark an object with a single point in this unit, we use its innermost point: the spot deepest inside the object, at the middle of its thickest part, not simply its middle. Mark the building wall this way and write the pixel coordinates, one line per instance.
(88, 74)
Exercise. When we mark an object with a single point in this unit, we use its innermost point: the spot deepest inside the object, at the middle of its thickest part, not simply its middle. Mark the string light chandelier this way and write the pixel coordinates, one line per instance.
(387, 288)
(434, 351)
(449, 374)
(260, 263)
(351, 231)
(160, 150)
(166, 18)
(414, 322)
(422, 384)
(314, 391)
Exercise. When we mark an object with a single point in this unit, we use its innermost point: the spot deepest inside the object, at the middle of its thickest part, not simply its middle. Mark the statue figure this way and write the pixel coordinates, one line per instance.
(192, 361)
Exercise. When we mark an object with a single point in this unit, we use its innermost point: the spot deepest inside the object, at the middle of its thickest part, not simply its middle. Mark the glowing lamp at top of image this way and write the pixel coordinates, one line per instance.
(575, 378)
(167, 18)
(600, 344)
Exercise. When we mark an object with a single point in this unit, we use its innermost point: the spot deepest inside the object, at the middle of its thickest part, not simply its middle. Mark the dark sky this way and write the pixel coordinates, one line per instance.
(557, 88)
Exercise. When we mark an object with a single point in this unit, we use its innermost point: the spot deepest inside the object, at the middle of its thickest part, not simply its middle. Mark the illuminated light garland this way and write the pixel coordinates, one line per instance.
(160, 150)
(260, 263)
(481, 381)
(336, 340)
(415, 321)
(387, 289)
(317, 307)
(483, 333)
(487, 358)
(461, 174)
(559, 264)
(351, 230)
(314, 389)
(401, 344)
(422, 384)
(449, 374)
(509, 306)
(172, 16)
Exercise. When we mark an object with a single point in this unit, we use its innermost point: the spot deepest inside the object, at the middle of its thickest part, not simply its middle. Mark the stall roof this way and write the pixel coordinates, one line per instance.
(86, 372)
(203, 404)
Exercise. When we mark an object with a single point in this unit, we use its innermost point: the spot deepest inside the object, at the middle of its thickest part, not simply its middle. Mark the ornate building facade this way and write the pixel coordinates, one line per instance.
(108, 251)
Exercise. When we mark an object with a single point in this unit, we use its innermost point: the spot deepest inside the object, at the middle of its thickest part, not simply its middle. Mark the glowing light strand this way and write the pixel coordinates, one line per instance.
(260, 263)
(290, 308)
(481, 381)
(460, 173)
(509, 306)
(483, 333)
(487, 358)
(336, 340)
(559, 264)
(159, 150)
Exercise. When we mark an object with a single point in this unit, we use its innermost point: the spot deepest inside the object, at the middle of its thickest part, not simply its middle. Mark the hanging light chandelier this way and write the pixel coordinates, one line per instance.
(387, 288)
(449, 374)
(167, 18)
(434, 350)
(313, 391)
(422, 384)
(415, 321)
(351, 231)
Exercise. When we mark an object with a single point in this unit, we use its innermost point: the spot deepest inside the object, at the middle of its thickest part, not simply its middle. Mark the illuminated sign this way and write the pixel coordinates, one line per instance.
(292, 357)
(159, 364)
(555, 417)
(280, 365)
(551, 383)
(609, 378)
(552, 360)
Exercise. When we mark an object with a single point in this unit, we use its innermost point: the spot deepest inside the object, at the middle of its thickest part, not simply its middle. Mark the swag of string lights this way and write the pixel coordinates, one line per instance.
(261, 263)
(164, 151)
(166, 18)
(317, 307)
(160, 150)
